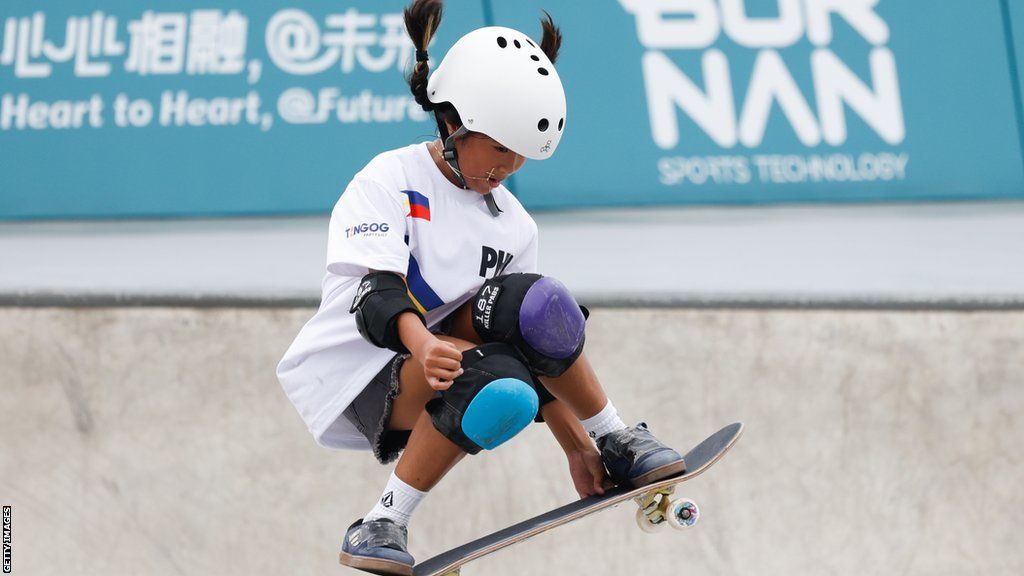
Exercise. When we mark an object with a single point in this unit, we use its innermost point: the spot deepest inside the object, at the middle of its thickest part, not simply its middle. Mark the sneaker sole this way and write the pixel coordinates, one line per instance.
(660, 473)
(375, 565)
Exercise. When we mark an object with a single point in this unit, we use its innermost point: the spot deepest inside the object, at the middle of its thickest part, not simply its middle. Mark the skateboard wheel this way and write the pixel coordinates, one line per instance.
(647, 525)
(682, 513)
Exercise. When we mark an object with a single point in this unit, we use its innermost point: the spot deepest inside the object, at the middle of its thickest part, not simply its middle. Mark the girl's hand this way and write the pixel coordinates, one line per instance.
(442, 362)
(587, 471)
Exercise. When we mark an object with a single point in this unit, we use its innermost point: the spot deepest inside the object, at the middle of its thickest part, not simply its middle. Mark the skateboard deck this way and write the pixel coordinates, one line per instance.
(656, 508)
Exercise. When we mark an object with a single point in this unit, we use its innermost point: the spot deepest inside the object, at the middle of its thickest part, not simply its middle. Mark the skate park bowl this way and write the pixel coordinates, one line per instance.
(802, 215)
(148, 434)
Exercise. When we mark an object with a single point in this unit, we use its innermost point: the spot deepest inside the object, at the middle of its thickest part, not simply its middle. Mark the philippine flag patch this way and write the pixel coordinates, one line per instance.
(419, 205)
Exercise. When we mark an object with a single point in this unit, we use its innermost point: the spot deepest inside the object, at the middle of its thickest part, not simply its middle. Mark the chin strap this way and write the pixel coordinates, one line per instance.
(451, 157)
(492, 205)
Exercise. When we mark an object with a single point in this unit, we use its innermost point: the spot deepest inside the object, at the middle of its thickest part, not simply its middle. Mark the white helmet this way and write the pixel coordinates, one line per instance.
(503, 85)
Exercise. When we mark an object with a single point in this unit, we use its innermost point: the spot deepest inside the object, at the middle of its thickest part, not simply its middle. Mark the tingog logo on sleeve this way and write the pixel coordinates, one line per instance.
(368, 229)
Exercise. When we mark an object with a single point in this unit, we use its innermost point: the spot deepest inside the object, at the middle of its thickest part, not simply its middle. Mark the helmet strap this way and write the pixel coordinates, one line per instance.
(451, 156)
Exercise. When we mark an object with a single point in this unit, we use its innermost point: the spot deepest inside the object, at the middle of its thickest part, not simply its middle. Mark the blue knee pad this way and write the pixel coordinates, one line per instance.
(492, 401)
(499, 411)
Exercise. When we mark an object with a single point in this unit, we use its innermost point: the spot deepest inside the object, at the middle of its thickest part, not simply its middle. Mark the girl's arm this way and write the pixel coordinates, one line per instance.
(585, 466)
(566, 427)
(413, 334)
(411, 331)
(431, 352)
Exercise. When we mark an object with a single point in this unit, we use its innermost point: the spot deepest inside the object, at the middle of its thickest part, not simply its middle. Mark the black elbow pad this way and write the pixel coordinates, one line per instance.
(381, 298)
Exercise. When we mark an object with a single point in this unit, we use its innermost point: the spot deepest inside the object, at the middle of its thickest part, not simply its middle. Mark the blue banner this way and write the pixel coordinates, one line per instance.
(111, 109)
(1013, 13)
(201, 108)
(698, 101)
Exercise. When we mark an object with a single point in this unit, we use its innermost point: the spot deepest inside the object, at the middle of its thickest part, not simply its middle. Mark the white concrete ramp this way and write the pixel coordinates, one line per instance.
(156, 441)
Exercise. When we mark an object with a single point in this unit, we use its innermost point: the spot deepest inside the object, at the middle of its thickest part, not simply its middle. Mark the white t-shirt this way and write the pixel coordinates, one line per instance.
(399, 214)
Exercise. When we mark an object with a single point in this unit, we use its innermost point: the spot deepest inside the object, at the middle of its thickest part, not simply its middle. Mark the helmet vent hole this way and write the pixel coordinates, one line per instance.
(502, 42)
(530, 43)
(543, 71)
(535, 58)
(542, 125)
(561, 121)
(516, 42)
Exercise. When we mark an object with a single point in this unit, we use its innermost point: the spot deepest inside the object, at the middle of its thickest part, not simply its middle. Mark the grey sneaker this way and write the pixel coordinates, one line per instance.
(634, 456)
(378, 546)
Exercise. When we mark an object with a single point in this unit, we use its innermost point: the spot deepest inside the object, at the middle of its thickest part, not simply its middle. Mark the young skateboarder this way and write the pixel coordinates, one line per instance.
(436, 334)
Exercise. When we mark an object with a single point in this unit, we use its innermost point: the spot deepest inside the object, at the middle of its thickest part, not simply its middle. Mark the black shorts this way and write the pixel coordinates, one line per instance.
(371, 410)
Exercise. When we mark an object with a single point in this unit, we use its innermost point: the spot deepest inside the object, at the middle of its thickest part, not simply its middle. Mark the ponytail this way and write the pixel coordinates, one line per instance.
(551, 42)
(422, 19)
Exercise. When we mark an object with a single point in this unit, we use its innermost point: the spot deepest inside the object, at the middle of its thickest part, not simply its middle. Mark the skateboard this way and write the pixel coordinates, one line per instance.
(656, 509)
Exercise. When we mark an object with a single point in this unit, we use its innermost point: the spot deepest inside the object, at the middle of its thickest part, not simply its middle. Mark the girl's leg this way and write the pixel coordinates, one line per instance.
(428, 455)
(377, 542)
(578, 387)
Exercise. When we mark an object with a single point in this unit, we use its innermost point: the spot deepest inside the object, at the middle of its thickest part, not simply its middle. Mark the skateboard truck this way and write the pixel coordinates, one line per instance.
(657, 509)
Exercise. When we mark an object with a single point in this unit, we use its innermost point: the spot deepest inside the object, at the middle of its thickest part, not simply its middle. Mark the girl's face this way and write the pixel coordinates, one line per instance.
(484, 162)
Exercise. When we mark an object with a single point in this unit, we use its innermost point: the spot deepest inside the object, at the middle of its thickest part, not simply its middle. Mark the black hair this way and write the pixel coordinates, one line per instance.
(422, 18)
(551, 41)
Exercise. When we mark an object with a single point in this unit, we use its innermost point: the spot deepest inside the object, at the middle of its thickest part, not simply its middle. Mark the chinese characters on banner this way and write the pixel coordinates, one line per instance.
(205, 42)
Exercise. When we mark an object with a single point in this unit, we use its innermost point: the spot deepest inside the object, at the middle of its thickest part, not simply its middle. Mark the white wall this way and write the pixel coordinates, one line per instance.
(157, 441)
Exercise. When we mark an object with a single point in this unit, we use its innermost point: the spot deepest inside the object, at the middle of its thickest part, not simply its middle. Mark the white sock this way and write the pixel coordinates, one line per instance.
(397, 503)
(604, 422)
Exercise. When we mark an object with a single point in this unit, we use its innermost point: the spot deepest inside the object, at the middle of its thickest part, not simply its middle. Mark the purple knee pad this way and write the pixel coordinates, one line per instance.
(537, 315)
(550, 320)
